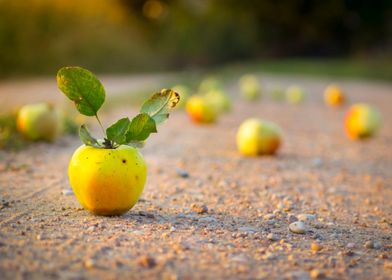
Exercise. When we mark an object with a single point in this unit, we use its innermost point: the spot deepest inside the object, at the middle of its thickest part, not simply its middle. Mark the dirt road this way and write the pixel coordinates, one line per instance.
(344, 187)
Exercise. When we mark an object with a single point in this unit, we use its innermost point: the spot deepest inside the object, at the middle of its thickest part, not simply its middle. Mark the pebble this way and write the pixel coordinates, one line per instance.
(388, 264)
(272, 236)
(199, 209)
(317, 274)
(306, 217)
(315, 247)
(297, 227)
(269, 216)
(67, 192)
(89, 263)
(372, 245)
(182, 173)
(249, 230)
(207, 219)
(146, 261)
(292, 218)
(350, 245)
(91, 229)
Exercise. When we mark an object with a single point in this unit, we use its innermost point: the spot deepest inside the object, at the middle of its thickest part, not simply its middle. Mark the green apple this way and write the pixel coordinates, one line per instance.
(295, 94)
(219, 100)
(39, 121)
(250, 87)
(362, 121)
(258, 137)
(184, 93)
(200, 110)
(209, 84)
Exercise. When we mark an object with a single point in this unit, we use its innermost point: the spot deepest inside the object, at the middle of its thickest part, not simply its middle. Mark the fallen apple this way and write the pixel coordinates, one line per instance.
(362, 121)
(39, 121)
(334, 96)
(219, 100)
(200, 110)
(108, 175)
(295, 94)
(250, 87)
(258, 137)
(210, 83)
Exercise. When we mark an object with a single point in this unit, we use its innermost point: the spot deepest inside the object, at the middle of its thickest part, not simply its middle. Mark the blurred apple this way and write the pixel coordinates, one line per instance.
(200, 110)
(334, 96)
(209, 84)
(219, 100)
(362, 121)
(295, 94)
(184, 93)
(258, 137)
(250, 87)
(39, 121)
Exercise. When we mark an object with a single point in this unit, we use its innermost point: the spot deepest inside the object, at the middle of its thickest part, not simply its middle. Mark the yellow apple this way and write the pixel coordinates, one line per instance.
(250, 87)
(295, 94)
(219, 100)
(362, 121)
(258, 137)
(107, 181)
(334, 96)
(200, 110)
(39, 121)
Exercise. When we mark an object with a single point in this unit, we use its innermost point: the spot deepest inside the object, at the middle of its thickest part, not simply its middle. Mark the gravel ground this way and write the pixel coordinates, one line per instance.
(208, 213)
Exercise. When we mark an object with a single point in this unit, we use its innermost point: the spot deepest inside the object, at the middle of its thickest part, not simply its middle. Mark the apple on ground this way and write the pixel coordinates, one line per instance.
(334, 96)
(210, 83)
(40, 121)
(362, 121)
(258, 137)
(295, 94)
(201, 110)
(219, 100)
(250, 87)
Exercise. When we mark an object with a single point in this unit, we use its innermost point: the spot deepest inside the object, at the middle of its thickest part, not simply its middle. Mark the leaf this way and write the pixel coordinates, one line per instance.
(86, 137)
(159, 105)
(83, 88)
(136, 144)
(140, 128)
(117, 131)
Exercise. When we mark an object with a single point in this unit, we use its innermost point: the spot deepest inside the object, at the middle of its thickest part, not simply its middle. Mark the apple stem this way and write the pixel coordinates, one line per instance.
(99, 121)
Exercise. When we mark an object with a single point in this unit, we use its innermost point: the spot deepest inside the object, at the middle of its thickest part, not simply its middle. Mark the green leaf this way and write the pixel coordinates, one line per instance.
(87, 139)
(159, 105)
(117, 131)
(136, 144)
(140, 128)
(83, 88)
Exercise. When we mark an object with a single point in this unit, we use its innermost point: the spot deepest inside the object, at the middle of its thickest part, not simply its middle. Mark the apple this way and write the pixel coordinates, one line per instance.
(200, 110)
(250, 87)
(210, 83)
(258, 137)
(107, 181)
(362, 121)
(295, 94)
(334, 96)
(184, 93)
(219, 100)
(39, 121)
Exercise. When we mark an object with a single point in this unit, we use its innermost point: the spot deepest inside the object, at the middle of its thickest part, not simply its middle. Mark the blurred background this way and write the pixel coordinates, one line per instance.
(37, 37)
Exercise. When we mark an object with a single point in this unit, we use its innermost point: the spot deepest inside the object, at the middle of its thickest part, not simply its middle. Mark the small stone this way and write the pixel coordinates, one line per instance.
(39, 237)
(91, 229)
(172, 228)
(89, 263)
(199, 209)
(373, 245)
(350, 245)
(297, 227)
(292, 218)
(272, 236)
(315, 247)
(146, 261)
(248, 230)
(317, 274)
(182, 173)
(269, 216)
(67, 192)
(207, 219)
(306, 217)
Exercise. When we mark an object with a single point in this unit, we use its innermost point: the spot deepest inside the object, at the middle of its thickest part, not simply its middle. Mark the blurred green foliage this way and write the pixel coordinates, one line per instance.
(40, 36)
